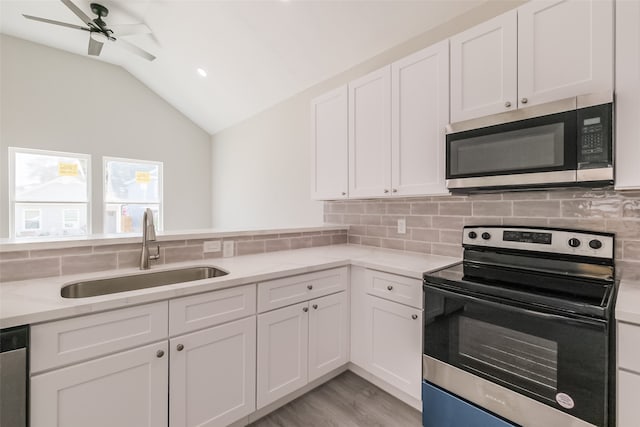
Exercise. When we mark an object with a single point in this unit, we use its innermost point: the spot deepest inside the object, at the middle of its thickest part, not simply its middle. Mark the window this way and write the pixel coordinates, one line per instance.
(45, 186)
(130, 187)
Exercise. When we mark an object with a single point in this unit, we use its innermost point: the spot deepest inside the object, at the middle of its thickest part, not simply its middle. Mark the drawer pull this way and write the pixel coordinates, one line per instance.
(309, 287)
(315, 306)
(414, 316)
(389, 288)
(159, 354)
(305, 309)
(179, 347)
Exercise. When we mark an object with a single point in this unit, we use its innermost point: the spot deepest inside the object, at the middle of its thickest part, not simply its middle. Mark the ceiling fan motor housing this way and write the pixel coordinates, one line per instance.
(99, 10)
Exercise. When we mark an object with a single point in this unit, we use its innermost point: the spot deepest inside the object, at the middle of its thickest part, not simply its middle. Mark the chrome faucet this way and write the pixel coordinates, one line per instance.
(148, 235)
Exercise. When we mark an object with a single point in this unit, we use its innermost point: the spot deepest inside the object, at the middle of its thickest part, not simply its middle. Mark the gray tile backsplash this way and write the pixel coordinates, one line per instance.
(434, 224)
(32, 264)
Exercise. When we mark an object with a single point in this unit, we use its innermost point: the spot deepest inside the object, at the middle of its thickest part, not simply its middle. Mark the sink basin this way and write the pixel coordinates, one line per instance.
(112, 285)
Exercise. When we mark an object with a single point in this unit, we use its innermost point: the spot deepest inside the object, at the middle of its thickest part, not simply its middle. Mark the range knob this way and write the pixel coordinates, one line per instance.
(574, 243)
(473, 234)
(595, 244)
(486, 236)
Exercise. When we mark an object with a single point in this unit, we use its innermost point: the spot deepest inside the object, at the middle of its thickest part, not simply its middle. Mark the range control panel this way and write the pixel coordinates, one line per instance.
(571, 242)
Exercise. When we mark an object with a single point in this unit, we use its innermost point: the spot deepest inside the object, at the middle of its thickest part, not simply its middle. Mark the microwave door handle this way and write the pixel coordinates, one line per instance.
(507, 307)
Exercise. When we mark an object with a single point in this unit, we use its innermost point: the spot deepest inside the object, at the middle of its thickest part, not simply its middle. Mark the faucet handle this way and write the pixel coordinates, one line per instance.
(157, 254)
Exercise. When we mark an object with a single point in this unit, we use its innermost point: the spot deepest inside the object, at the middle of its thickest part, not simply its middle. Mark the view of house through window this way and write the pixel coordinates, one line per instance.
(131, 186)
(49, 193)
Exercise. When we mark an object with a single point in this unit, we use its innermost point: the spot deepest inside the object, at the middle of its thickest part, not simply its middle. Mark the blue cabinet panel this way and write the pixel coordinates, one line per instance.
(441, 409)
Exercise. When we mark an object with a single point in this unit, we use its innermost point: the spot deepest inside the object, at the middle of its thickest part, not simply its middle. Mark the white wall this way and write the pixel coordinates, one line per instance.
(54, 100)
(260, 167)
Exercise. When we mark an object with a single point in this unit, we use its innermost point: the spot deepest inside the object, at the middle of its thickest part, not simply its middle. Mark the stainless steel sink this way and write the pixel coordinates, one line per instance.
(112, 285)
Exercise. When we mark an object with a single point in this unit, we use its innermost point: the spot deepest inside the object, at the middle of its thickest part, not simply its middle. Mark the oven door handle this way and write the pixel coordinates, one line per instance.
(514, 309)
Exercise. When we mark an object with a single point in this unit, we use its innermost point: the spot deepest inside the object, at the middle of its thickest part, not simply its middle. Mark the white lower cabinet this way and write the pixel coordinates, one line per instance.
(213, 374)
(300, 343)
(628, 386)
(393, 341)
(127, 389)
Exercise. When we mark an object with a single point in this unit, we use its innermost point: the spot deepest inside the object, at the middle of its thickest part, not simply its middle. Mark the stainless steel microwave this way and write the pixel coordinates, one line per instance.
(561, 144)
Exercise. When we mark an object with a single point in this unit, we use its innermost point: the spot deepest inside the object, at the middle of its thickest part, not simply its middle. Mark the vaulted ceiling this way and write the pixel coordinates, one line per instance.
(255, 53)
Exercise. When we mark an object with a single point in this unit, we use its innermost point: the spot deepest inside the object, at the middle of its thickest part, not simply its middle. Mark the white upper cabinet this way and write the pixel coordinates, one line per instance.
(565, 49)
(370, 134)
(419, 115)
(627, 94)
(484, 69)
(329, 145)
(544, 51)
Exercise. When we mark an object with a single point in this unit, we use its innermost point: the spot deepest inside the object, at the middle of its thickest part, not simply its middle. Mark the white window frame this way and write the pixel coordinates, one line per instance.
(160, 223)
(12, 186)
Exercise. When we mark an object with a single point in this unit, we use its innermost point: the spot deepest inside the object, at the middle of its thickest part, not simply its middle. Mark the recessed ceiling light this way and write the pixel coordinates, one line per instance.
(202, 72)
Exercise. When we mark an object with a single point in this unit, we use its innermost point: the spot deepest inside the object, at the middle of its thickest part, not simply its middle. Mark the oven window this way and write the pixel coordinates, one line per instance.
(533, 148)
(532, 359)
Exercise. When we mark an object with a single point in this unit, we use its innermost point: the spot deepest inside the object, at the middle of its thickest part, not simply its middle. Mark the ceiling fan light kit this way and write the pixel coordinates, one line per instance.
(99, 33)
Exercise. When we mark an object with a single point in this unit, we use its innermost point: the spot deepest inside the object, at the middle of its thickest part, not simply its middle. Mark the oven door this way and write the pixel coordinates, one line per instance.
(559, 361)
(537, 151)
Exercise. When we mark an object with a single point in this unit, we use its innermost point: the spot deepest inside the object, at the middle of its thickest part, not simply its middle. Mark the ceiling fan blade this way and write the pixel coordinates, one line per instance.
(50, 21)
(134, 49)
(78, 12)
(95, 47)
(129, 29)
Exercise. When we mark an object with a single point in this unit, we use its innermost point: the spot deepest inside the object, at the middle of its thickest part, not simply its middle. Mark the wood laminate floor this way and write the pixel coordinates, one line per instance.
(345, 401)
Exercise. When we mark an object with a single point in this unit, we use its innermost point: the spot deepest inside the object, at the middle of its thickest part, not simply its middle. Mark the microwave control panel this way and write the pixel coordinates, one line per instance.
(594, 136)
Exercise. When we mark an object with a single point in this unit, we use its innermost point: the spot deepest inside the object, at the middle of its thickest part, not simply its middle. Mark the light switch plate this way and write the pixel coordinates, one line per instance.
(402, 226)
(212, 246)
(227, 249)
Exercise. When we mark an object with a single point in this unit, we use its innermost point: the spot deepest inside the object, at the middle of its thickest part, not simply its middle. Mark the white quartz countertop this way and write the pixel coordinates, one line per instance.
(39, 300)
(628, 302)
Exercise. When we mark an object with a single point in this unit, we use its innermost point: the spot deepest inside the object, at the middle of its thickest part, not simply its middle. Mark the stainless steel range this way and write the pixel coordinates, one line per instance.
(522, 328)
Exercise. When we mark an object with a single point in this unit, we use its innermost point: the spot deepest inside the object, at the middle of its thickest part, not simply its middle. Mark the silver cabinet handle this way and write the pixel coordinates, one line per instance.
(305, 309)
(309, 287)
(389, 288)
(414, 316)
(179, 347)
(395, 190)
(344, 194)
(507, 104)
(386, 191)
(524, 100)
(159, 353)
(315, 306)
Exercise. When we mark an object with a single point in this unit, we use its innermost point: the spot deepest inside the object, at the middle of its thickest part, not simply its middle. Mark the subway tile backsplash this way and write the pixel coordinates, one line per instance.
(32, 264)
(434, 224)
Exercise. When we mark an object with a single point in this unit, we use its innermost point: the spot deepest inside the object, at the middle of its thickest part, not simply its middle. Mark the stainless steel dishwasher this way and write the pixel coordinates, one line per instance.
(14, 376)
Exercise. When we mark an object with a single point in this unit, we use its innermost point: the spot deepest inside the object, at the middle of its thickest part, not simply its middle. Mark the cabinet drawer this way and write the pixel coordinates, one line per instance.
(291, 290)
(400, 289)
(629, 346)
(68, 341)
(200, 311)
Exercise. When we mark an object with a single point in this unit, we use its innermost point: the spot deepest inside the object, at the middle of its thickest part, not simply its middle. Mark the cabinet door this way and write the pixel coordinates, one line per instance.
(370, 135)
(329, 146)
(328, 334)
(127, 389)
(283, 337)
(628, 386)
(394, 342)
(565, 49)
(420, 113)
(627, 95)
(358, 354)
(484, 69)
(213, 375)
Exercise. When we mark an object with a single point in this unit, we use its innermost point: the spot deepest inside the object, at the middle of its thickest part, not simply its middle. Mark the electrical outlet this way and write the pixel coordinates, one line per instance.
(212, 246)
(227, 249)
(402, 226)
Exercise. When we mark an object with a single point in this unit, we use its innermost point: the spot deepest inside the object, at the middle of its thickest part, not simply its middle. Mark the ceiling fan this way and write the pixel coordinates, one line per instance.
(99, 33)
